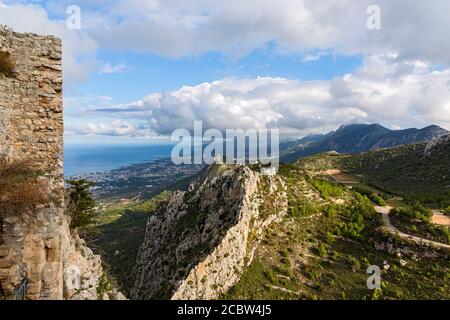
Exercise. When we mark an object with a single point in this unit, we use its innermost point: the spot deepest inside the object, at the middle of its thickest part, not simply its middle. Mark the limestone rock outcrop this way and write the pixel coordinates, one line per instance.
(436, 143)
(197, 246)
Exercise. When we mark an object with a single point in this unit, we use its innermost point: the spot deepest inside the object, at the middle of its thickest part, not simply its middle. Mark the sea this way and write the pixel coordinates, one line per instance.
(89, 158)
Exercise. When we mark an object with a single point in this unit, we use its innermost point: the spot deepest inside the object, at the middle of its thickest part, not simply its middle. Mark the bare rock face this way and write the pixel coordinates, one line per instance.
(436, 143)
(83, 274)
(197, 246)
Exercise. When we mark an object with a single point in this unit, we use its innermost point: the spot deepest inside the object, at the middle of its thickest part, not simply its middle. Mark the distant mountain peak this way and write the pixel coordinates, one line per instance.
(434, 127)
(361, 126)
(360, 137)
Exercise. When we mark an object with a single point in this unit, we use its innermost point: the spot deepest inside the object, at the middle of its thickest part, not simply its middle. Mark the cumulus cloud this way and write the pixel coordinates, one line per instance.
(411, 29)
(384, 89)
(403, 81)
(395, 91)
(181, 28)
(78, 47)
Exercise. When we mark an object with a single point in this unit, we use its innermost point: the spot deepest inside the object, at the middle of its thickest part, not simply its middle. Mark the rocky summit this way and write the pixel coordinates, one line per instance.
(199, 243)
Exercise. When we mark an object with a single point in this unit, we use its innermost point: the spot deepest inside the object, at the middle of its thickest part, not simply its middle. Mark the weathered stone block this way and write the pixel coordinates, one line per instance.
(4, 251)
(5, 263)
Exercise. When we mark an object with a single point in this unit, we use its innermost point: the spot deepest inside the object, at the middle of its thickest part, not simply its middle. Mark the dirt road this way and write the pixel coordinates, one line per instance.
(387, 222)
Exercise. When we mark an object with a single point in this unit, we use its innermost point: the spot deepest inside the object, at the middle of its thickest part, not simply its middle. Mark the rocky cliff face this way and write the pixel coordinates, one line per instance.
(40, 249)
(84, 277)
(198, 245)
(438, 143)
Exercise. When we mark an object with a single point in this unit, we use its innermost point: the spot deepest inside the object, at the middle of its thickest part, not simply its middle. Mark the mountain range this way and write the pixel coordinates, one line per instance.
(356, 138)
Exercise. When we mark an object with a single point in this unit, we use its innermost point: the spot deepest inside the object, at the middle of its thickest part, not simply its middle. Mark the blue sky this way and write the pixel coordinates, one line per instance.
(146, 73)
(135, 70)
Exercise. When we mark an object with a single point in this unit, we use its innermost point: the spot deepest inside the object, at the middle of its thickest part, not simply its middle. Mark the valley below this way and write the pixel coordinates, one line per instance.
(309, 232)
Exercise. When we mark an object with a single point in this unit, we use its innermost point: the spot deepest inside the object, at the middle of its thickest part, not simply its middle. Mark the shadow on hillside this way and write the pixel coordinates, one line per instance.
(118, 245)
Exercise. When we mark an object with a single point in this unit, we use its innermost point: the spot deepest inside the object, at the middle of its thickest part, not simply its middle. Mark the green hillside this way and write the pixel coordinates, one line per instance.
(323, 247)
(121, 231)
(407, 171)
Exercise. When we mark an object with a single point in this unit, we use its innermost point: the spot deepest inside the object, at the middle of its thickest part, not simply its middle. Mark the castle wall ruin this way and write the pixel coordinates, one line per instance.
(31, 127)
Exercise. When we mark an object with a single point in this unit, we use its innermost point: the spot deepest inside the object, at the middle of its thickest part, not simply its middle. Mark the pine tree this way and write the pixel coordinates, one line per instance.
(81, 206)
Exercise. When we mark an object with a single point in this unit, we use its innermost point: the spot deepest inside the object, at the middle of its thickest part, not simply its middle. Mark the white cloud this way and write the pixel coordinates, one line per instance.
(395, 92)
(310, 58)
(384, 89)
(398, 83)
(78, 47)
(411, 29)
(107, 68)
(117, 128)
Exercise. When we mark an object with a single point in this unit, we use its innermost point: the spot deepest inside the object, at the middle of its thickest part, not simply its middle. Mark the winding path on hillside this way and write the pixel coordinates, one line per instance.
(384, 211)
(438, 218)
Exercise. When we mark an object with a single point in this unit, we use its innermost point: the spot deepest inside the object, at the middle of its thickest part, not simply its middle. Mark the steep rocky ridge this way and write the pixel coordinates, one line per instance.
(198, 245)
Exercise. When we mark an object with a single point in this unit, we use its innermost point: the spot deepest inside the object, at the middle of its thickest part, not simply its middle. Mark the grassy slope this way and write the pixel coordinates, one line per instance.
(318, 254)
(406, 171)
(409, 172)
